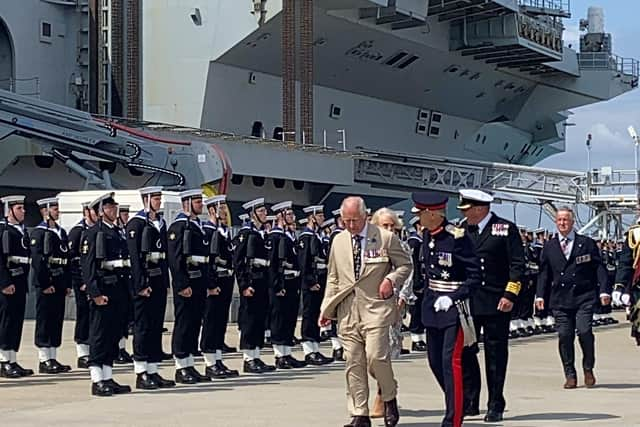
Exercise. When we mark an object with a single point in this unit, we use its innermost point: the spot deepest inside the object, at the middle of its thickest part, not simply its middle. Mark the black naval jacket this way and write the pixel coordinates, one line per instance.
(501, 255)
(574, 281)
(142, 268)
(415, 243)
(95, 277)
(283, 258)
(624, 272)
(15, 243)
(52, 268)
(75, 241)
(250, 258)
(221, 251)
(310, 254)
(449, 259)
(182, 270)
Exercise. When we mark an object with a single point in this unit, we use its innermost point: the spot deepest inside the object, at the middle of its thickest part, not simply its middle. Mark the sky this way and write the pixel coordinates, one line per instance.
(607, 122)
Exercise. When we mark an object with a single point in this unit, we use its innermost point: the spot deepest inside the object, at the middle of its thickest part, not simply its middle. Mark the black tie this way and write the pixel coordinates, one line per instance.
(474, 231)
(357, 255)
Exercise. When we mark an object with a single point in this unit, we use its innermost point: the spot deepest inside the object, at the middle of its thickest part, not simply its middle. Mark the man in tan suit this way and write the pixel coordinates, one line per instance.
(366, 264)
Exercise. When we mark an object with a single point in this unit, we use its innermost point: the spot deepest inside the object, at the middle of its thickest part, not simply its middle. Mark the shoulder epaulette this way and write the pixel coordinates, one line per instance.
(456, 232)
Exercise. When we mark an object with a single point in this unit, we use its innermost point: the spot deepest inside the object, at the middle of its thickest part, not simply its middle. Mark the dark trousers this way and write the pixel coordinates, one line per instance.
(188, 319)
(81, 329)
(523, 309)
(567, 322)
(216, 316)
(49, 318)
(148, 314)
(444, 350)
(103, 336)
(252, 316)
(311, 301)
(284, 313)
(12, 315)
(495, 329)
(415, 324)
(125, 310)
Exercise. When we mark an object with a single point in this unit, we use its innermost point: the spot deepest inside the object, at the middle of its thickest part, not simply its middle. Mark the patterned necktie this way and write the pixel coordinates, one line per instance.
(357, 255)
(565, 246)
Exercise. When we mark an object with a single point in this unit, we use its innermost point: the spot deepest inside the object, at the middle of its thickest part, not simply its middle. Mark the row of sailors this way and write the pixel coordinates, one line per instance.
(103, 261)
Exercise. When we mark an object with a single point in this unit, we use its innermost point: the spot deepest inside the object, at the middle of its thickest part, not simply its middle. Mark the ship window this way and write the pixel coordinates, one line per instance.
(395, 58)
(298, 185)
(335, 112)
(436, 117)
(278, 182)
(477, 137)
(408, 62)
(484, 139)
(236, 179)
(258, 181)
(105, 3)
(421, 128)
(45, 32)
(423, 115)
(435, 131)
(105, 18)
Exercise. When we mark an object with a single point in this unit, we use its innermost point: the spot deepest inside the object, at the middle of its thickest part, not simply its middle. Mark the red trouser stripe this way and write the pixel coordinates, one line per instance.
(456, 367)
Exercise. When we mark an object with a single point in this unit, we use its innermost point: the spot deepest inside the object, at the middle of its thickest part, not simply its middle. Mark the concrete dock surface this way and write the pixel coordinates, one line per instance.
(315, 396)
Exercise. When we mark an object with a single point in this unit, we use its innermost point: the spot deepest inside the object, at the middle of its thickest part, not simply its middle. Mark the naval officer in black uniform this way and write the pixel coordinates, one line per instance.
(570, 265)
(416, 328)
(14, 270)
(499, 248)
(51, 279)
(452, 274)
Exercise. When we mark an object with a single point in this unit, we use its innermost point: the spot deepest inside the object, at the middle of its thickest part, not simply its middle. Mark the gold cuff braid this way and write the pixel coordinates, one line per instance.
(514, 287)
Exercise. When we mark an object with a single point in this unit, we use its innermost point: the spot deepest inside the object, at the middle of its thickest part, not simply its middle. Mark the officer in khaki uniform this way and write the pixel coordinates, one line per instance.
(365, 265)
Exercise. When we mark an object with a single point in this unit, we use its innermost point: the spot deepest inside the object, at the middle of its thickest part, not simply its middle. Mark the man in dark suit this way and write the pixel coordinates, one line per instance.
(571, 266)
(499, 248)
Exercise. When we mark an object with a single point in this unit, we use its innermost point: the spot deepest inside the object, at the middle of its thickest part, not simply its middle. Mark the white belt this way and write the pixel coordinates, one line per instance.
(321, 266)
(224, 272)
(118, 263)
(197, 259)
(58, 261)
(221, 261)
(19, 259)
(291, 273)
(259, 262)
(155, 256)
(444, 286)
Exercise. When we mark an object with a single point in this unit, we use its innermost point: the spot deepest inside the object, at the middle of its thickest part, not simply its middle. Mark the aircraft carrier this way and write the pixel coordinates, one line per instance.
(298, 99)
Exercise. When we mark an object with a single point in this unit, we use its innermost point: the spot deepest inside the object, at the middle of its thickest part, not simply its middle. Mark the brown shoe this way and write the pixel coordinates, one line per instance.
(391, 414)
(378, 407)
(570, 383)
(589, 379)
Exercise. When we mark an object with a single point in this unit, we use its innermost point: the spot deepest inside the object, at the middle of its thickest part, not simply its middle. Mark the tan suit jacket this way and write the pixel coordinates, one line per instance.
(383, 256)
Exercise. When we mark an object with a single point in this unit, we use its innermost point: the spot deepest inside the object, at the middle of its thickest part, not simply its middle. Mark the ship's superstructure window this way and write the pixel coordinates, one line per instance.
(335, 112)
(45, 32)
(395, 58)
(421, 128)
(408, 62)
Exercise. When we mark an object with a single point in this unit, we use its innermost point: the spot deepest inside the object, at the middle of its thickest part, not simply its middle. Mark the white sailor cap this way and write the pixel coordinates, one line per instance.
(414, 220)
(9, 201)
(282, 206)
(105, 199)
(400, 214)
(539, 230)
(49, 201)
(215, 200)
(191, 194)
(271, 217)
(314, 209)
(472, 197)
(253, 204)
(124, 208)
(151, 191)
(521, 227)
(243, 217)
(303, 221)
(328, 223)
(85, 205)
(336, 213)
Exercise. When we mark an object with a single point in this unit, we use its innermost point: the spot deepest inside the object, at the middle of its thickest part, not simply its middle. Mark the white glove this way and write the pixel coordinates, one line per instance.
(626, 299)
(443, 304)
(615, 297)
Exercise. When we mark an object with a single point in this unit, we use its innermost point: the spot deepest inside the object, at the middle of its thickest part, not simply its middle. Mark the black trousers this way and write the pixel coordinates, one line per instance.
(12, 314)
(444, 350)
(49, 317)
(125, 309)
(567, 322)
(103, 336)
(284, 313)
(188, 319)
(81, 329)
(523, 309)
(216, 316)
(415, 324)
(311, 301)
(495, 329)
(148, 313)
(253, 315)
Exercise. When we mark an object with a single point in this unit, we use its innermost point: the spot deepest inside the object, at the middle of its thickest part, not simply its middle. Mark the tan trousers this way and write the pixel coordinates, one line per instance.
(367, 350)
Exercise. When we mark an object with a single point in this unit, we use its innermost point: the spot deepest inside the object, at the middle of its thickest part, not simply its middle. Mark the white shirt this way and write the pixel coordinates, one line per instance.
(482, 224)
(569, 246)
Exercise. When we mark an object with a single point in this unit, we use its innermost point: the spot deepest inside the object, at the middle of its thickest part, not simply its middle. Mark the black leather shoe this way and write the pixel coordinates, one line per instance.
(231, 373)
(118, 388)
(166, 356)
(359, 421)
(283, 363)
(391, 413)
(184, 376)
(215, 372)
(7, 370)
(228, 349)
(83, 362)
(419, 346)
(325, 336)
(49, 367)
(123, 358)
(198, 376)
(251, 367)
(22, 371)
(145, 381)
(101, 389)
(295, 363)
(404, 328)
(267, 341)
(493, 417)
(338, 355)
(405, 351)
(60, 366)
(162, 383)
(323, 360)
(513, 334)
(264, 366)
